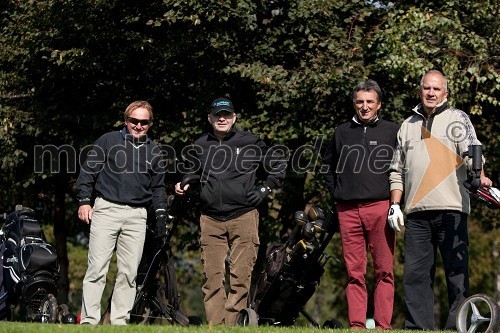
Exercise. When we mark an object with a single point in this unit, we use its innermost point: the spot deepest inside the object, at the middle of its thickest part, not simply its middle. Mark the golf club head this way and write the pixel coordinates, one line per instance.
(300, 218)
(314, 213)
(308, 230)
(319, 225)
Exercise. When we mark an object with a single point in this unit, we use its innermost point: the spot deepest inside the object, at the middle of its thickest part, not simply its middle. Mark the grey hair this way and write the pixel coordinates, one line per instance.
(366, 86)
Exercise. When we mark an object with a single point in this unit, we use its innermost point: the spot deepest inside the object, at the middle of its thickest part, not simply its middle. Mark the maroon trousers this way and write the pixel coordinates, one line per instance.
(363, 225)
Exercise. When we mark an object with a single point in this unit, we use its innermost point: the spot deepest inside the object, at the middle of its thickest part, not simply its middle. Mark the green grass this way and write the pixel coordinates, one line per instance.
(17, 327)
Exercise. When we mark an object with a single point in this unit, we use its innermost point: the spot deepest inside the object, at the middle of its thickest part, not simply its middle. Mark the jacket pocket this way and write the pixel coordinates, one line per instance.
(223, 195)
(232, 193)
(208, 195)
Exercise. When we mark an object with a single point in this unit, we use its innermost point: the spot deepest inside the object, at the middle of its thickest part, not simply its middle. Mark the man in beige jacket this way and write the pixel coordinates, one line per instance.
(429, 167)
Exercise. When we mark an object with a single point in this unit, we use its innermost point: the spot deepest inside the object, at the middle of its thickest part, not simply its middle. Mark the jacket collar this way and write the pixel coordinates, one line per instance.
(127, 136)
(419, 110)
(355, 119)
(229, 134)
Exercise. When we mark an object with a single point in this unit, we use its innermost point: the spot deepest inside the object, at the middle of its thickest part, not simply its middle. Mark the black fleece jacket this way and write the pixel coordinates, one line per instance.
(356, 161)
(228, 171)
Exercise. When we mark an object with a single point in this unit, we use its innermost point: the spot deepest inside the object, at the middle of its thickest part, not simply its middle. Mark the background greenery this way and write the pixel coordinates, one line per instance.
(69, 68)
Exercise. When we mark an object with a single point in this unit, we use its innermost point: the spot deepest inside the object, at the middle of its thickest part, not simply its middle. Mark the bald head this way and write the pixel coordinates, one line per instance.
(433, 91)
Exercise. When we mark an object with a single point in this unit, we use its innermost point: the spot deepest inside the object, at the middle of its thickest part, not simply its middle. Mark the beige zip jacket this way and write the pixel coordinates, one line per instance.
(430, 164)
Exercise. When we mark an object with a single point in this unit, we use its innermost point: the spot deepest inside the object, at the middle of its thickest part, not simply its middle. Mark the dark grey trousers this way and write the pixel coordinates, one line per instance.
(426, 232)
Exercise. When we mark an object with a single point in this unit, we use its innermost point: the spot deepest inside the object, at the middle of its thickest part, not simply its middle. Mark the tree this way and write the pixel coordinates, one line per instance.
(68, 69)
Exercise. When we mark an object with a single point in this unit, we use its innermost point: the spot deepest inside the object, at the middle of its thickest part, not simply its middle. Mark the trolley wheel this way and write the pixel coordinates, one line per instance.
(247, 317)
(62, 310)
(195, 321)
(332, 323)
(141, 314)
(478, 313)
(48, 309)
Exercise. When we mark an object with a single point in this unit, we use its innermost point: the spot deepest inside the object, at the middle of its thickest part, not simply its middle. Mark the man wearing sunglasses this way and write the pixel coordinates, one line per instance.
(125, 174)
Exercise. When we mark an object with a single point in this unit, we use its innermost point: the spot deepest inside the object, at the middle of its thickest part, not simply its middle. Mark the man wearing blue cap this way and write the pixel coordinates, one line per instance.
(228, 160)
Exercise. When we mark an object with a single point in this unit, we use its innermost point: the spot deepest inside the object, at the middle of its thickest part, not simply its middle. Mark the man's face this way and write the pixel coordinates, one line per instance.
(432, 91)
(222, 122)
(366, 105)
(138, 122)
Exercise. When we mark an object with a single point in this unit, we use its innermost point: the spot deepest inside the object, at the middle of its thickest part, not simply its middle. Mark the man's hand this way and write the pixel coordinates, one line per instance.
(395, 218)
(180, 191)
(85, 213)
(258, 194)
(485, 181)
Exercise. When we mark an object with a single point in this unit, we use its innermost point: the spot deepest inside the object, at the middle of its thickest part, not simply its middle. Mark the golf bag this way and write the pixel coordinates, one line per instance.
(157, 299)
(487, 194)
(30, 268)
(292, 273)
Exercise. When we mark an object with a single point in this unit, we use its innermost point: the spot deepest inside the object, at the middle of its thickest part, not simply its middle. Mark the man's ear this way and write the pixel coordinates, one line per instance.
(209, 119)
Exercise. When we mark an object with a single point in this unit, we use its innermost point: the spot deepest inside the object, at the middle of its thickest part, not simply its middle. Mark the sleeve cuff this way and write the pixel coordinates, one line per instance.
(85, 201)
(272, 182)
(397, 186)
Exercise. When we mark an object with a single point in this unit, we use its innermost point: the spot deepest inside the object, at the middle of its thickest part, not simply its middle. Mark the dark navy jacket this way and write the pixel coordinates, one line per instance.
(124, 172)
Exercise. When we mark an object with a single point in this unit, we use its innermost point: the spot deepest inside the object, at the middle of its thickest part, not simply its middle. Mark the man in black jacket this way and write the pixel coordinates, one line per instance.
(227, 161)
(124, 171)
(357, 160)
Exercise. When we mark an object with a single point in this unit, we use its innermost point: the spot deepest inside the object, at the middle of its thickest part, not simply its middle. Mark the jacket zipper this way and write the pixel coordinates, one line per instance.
(220, 185)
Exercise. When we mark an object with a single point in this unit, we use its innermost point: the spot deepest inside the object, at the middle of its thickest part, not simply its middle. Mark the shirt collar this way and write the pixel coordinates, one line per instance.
(127, 136)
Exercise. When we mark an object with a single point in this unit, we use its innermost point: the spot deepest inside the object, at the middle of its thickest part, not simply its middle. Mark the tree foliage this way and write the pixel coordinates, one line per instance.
(68, 69)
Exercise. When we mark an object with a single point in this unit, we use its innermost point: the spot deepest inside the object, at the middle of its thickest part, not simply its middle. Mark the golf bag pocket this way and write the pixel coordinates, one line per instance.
(36, 257)
(29, 259)
(275, 257)
(27, 254)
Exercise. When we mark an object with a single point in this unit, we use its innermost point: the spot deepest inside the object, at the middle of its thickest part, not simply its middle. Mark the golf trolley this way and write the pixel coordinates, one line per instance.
(30, 270)
(155, 299)
(292, 273)
(479, 312)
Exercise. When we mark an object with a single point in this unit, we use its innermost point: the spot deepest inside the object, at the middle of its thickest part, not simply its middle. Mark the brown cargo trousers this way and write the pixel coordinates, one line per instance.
(238, 240)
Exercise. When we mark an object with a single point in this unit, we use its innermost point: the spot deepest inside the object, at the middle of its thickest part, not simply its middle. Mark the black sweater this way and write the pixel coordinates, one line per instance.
(124, 172)
(356, 161)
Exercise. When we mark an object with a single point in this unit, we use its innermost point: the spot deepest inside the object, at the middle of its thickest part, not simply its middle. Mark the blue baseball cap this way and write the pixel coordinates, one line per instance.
(221, 104)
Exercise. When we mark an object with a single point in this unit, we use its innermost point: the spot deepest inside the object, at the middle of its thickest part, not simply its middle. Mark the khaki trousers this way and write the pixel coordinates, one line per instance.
(237, 240)
(124, 227)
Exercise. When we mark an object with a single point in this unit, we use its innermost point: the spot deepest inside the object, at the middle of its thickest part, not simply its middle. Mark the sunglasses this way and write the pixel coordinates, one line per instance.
(135, 121)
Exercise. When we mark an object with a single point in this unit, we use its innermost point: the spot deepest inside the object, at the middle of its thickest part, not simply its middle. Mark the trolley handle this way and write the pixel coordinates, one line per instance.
(188, 179)
(178, 202)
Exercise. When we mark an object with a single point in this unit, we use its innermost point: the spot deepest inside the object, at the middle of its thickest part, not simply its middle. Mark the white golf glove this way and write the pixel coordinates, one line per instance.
(395, 218)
